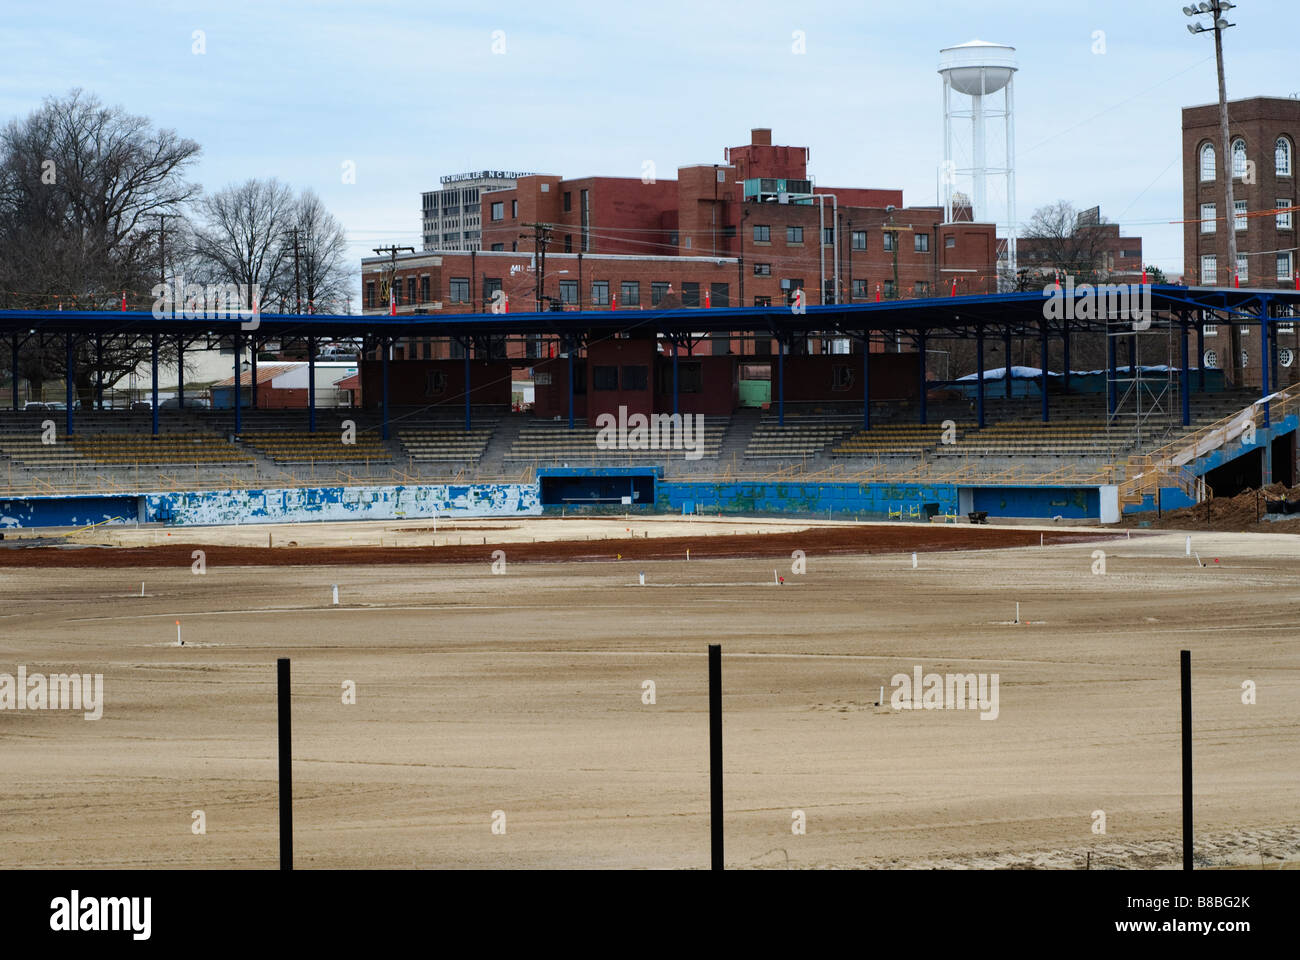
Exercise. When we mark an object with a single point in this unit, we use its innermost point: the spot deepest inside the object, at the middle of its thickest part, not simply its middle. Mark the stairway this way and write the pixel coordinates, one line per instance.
(492, 463)
(739, 432)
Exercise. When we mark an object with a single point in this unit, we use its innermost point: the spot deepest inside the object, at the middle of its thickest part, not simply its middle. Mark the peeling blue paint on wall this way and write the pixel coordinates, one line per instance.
(299, 504)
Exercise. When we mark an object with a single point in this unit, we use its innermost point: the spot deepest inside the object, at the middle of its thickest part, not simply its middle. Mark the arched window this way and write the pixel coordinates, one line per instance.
(1239, 159)
(1282, 157)
(1207, 162)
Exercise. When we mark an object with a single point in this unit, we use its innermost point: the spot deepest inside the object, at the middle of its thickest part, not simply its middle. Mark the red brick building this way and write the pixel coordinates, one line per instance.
(1263, 133)
(752, 230)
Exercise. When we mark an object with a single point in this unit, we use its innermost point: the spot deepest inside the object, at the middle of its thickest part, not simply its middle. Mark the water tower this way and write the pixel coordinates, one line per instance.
(974, 74)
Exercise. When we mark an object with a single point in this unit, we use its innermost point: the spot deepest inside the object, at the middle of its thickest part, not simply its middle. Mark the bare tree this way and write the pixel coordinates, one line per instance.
(242, 240)
(83, 188)
(323, 272)
(1055, 239)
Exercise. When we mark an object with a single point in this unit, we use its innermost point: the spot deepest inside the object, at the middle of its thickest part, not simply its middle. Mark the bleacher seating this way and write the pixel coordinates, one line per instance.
(124, 449)
(801, 436)
(447, 444)
(547, 440)
(301, 446)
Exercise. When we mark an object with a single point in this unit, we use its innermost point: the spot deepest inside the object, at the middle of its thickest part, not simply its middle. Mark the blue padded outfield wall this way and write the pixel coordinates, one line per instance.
(297, 504)
(875, 500)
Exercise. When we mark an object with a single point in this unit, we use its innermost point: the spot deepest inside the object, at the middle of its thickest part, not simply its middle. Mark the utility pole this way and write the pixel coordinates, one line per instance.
(297, 290)
(541, 240)
(1216, 9)
(392, 252)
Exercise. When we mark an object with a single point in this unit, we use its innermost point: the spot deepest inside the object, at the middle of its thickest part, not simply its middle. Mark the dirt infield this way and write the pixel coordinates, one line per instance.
(525, 693)
(830, 540)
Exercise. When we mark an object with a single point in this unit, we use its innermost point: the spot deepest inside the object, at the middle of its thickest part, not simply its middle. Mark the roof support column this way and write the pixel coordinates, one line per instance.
(252, 384)
(180, 371)
(311, 384)
(979, 375)
(1065, 358)
(153, 360)
(1200, 352)
(921, 372)
(866, 379)
(239, 356)
(1042, 358)
(1110, 372)
(568, 343)
(780, 381)
(673, 343)
(1006, 366)
(14, 369)
(385, 346)
(468, 374)
(70, 375)
(1185, 381)
(1265, 355)
(99, 371)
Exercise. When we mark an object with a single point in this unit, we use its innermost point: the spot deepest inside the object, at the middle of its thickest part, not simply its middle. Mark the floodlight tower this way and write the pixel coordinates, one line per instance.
(971, 73)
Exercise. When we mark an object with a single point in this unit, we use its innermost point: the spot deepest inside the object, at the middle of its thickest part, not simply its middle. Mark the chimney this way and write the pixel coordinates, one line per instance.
(761, 137)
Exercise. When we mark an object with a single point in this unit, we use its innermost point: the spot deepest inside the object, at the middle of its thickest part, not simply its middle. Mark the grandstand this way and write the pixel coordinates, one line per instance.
(903, 427)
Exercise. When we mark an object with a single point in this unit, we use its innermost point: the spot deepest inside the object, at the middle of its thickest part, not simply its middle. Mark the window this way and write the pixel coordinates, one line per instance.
(841, 377)
(600, 293)
(762, 233)
(568, 243)
(891, 241)
(424, 289)
(499, 210)
(499, 246)
(1209, 269)
(658, 291)
(891, 290)
(762, 269)
(514, 209)
(1211, 329)
(1209, 213)
(410, 290)
(719, 295)
(794, 234)
(635, 377)
(859, 239)
(792, 288)
(729, 231)
(435, 384)
(1207, 162)
(921, 242)
(604, 378)
(950, 241)
(690, 294)
(921, 288)
(1282, 157)
(1284, 219)
(458, 291)
(629, 293)
(1243, 267)
(568, 291)
(1238, 159)
(1284, 266)
(828, 236)
(370, 293)
(568, 200)
(860, 288)
(1239, 217)
(490, 287)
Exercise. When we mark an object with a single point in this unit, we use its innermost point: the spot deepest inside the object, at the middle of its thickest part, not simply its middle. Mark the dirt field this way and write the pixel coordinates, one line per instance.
(522, 693)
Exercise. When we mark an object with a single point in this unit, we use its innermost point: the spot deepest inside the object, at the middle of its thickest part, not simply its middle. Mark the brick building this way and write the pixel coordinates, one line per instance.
(1118, 258)
(753, 230)
(1263, 132)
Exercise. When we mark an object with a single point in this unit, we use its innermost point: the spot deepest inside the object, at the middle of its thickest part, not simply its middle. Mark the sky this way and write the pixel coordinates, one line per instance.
(403, 92)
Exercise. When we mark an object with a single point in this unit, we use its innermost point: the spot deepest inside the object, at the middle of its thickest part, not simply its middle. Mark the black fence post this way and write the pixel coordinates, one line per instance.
(286, 766)
(715, 753)
(1186, 665)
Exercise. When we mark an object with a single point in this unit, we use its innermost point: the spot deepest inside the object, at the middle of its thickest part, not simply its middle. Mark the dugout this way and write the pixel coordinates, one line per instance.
(598, 486)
